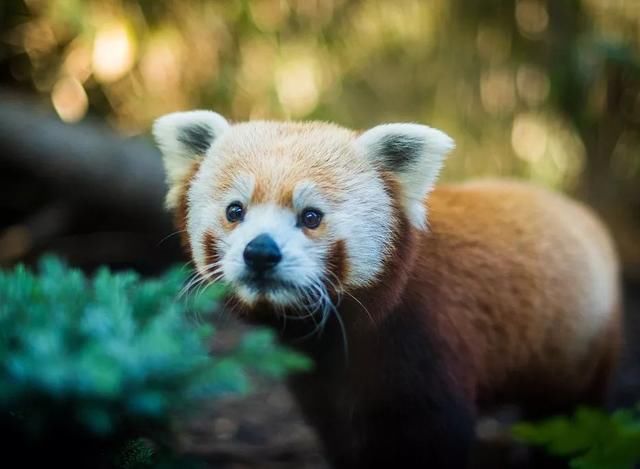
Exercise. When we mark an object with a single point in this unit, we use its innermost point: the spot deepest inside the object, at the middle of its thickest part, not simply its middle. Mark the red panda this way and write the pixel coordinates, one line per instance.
(421, 305)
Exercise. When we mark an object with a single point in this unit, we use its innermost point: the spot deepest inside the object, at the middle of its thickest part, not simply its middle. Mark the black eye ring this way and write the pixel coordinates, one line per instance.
(311, 218)
(235, 212)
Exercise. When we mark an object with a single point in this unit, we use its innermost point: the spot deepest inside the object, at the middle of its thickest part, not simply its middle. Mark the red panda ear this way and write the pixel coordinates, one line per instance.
(183, 138)
(415, 153)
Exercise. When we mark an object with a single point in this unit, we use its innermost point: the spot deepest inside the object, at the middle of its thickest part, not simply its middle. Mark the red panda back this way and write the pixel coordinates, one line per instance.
(523, 285)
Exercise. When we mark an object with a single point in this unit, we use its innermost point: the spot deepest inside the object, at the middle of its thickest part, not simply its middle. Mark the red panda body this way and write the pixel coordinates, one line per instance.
(522, 283)
(508, 293)
(510, 297)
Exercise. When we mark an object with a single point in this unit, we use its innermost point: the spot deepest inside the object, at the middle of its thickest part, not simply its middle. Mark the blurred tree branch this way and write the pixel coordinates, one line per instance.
(81, 191)
(87, 163)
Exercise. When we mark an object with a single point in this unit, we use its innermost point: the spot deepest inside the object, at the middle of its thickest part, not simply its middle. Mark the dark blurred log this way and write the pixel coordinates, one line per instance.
(85, 162)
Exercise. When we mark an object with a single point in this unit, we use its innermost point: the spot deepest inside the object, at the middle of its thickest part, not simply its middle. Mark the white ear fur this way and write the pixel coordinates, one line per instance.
(185, 137)
(415, 153)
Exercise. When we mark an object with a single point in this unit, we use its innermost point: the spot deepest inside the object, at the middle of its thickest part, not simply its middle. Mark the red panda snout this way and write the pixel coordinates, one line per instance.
(261, 254)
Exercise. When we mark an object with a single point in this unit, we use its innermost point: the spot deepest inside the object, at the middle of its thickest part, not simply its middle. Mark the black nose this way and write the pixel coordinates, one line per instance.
(262, 253)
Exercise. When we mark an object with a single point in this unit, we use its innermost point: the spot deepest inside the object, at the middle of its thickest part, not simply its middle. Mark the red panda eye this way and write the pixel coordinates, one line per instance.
(311, 218)
(235, 212)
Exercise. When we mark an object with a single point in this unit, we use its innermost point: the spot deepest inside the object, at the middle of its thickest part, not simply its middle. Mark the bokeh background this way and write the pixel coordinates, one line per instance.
(543, 90)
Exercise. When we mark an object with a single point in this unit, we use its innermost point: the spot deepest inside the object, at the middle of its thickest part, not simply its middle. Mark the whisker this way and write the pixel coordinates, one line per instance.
(170, 235)
(332, 308)
(345, 292)
(345, 342)
(199, 277)
(318, 305)
(335, 288)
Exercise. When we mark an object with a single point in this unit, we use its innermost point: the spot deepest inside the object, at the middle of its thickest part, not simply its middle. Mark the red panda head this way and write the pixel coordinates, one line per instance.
(289, 212)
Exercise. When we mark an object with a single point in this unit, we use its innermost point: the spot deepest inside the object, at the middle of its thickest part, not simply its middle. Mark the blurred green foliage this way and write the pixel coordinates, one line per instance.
(591, 438)
(114, 355)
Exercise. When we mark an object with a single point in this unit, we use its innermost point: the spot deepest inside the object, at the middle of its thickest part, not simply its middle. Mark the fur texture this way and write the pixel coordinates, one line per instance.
(511, 295)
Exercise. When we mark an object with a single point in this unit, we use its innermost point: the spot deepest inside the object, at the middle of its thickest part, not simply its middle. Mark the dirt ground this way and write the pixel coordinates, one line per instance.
(265, 430)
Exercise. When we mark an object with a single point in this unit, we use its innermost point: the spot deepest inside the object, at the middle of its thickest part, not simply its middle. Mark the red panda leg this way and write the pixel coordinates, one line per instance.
(598, 392)
(392, 405)
(598, 382)
(411, 433)
(414, 409)
(595, 394)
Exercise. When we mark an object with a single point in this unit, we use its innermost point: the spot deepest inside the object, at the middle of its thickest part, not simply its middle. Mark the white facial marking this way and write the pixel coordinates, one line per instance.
(365, 222)
(241, 190)
(334, 177)
(305, 195)
(301, 257)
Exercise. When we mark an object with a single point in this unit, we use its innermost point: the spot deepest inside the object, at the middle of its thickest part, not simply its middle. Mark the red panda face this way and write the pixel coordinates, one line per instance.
(291, 213)
(288, 213)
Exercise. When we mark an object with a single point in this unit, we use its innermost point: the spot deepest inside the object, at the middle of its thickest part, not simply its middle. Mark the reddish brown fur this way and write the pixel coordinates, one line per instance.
(277, 167)
(182, 209)
(481, 278)
(485, 307)
(211, 254)
(337, 266)
(457, 318)
(398, 262)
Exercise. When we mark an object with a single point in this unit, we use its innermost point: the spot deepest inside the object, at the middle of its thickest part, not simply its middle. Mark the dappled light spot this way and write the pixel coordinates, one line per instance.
(160, 65)
(494, 44)
(113, 52)
(69, 99)
(528, 138)
(268, 15)
(553, 151)
(256, 72)
(497, 91)
(532, 84)
(38, 38)
(297, 83)
(532, 17)
(78, 61)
